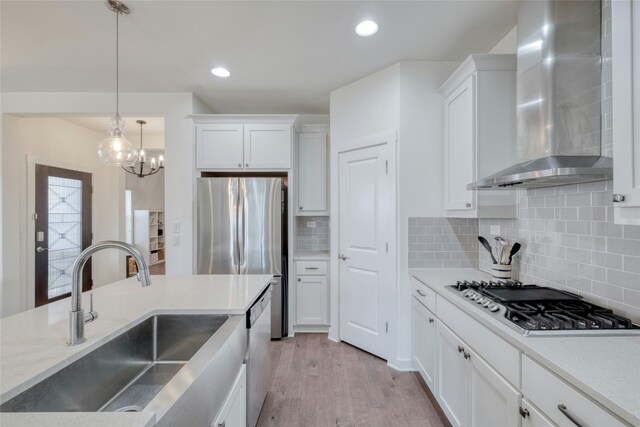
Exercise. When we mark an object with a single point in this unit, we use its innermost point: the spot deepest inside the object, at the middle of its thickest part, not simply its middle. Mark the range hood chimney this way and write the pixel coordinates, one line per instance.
(559, 97)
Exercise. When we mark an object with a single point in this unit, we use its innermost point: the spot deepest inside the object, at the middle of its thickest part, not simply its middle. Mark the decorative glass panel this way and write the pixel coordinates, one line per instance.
(65, 232)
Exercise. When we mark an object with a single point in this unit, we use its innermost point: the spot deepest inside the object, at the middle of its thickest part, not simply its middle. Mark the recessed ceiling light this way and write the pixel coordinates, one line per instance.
(366, 28)
(220, 72)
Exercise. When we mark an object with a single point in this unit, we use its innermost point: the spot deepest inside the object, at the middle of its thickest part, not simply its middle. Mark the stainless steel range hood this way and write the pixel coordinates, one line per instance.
(559, 96)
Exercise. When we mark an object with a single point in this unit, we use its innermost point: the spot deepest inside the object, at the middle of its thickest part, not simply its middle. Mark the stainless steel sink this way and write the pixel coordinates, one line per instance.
(125, 373)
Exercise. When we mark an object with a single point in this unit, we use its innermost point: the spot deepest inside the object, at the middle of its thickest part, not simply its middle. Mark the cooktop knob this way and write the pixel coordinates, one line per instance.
(494, 308)
(480, 300)
(487, 303)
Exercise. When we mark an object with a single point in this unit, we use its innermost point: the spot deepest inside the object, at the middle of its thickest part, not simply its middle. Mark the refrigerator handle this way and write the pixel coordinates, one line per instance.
(242, 189)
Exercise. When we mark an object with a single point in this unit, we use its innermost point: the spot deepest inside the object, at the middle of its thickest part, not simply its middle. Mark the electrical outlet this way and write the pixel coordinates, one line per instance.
(176, 240)
(311, 224)
(495, 230)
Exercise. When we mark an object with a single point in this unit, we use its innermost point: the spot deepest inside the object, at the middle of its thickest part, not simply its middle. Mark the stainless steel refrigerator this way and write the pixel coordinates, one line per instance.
(242, 229)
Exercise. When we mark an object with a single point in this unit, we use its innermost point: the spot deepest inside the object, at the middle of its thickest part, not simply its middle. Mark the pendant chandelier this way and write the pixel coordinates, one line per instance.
(116, 150)
(138, 169)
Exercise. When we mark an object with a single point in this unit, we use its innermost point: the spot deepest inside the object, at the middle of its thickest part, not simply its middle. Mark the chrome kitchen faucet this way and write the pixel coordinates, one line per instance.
(77, 317)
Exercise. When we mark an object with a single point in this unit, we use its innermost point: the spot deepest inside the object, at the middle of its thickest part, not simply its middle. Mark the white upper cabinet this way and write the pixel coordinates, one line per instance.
(480, 135)
(255, 142)
(219, 146)
(312, 174)
(625, 33)
(267, 146)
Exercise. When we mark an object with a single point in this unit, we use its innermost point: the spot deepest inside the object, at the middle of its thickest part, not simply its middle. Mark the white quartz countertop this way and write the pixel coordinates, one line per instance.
(312, 256)
(606, 368)
(33, 343)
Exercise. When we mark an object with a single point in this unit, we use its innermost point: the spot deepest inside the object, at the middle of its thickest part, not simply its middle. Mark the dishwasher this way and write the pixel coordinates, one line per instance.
(258, 355)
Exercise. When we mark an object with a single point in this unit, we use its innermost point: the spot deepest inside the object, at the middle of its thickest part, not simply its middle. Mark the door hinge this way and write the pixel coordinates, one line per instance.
(387, 247)
(387, 326)
(35, 216)
(386, 166)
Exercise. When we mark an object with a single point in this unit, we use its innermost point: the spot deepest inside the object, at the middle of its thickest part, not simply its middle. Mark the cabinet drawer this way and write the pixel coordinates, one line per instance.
(501, 355)
(424, 294)
(549, 393)
(311, 268)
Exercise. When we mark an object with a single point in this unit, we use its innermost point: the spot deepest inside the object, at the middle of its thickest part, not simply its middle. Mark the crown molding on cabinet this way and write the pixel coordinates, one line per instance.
(245, 118)
(484, 62)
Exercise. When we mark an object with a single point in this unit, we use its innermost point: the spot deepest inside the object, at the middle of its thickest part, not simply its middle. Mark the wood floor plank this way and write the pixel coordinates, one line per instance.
(318, 382)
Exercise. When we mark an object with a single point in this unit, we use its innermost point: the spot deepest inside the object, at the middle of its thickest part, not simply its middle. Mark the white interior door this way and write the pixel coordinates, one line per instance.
(367, 238)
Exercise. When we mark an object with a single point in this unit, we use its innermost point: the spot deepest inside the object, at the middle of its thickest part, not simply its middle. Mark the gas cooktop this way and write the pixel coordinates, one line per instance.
(536, 310)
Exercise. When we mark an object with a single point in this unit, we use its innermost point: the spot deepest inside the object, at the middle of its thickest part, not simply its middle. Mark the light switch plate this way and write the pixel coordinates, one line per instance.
(176, 227)
(495, 230)
(311, 224)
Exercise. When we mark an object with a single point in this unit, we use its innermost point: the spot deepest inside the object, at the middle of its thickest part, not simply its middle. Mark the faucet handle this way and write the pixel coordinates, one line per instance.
(91, 315)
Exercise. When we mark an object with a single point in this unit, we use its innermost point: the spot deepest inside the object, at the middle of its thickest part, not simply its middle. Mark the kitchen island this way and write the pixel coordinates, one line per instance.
(33, 343)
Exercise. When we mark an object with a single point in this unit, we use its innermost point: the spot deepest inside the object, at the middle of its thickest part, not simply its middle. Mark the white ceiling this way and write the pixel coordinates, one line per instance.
(284, 56)
(154, 126)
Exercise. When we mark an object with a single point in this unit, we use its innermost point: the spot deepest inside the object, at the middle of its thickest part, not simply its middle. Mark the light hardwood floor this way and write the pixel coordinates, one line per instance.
(317, 382)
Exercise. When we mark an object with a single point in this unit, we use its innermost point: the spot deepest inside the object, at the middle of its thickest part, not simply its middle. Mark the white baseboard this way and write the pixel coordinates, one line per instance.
(311, 329)
(404, 365)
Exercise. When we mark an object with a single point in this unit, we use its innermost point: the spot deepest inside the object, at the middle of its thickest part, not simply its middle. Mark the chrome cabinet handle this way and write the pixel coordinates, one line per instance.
(422, 294)
(563, 408)
(311, 268)
(617, 198)
(222, 424)
(301, 208)
(460, 349)
(343, 257)
(246, 165)
(467, 355)
(239, 165)
(468, 205)
(40, 249)
(524, 413)
(431, 320)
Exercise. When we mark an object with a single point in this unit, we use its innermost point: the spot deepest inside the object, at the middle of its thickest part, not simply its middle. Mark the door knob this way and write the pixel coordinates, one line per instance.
(40, 249)
(343, 257)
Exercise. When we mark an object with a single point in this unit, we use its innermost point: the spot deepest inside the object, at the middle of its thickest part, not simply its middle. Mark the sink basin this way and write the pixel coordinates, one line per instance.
(125, 373)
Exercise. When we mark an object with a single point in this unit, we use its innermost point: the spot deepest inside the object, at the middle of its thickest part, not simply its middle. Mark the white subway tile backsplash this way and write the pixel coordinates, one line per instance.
(312, 239)
(592, 256)
(443, 243)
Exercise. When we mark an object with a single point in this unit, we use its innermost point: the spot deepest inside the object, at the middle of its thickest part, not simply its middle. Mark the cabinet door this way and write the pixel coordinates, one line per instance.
(219, 146)
(492, 400)
(424, 342)
(451, 371)
(267, 146)
(312, 173)
(234, 409)
(312, 300)
(460, 147)
(625, 34)
(531, 417)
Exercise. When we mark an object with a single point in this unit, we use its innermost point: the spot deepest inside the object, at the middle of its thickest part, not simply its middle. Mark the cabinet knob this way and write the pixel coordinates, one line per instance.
(239, 165)
(431, 320)
(460, 349)
(467, 355)
(468, 205)
(301, 207)
(617, 198)
(299, 279)
(246, 165)
(524, 413)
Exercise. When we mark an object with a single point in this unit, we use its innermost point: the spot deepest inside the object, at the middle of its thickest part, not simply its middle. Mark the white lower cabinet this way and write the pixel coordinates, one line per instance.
(312, 293)
(492, 400)
(560, 402)
(451, 382)
(424, 339)
(531, 417)
(234, 409)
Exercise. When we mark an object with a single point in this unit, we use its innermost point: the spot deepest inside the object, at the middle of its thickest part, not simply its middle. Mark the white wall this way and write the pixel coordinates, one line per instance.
(402, 97)
(59, 143)
(148, 192)
(420, 171)
(175, 108)
(509, 43)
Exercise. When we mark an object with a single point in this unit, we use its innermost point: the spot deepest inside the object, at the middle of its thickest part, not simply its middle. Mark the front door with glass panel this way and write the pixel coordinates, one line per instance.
(62, 230)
